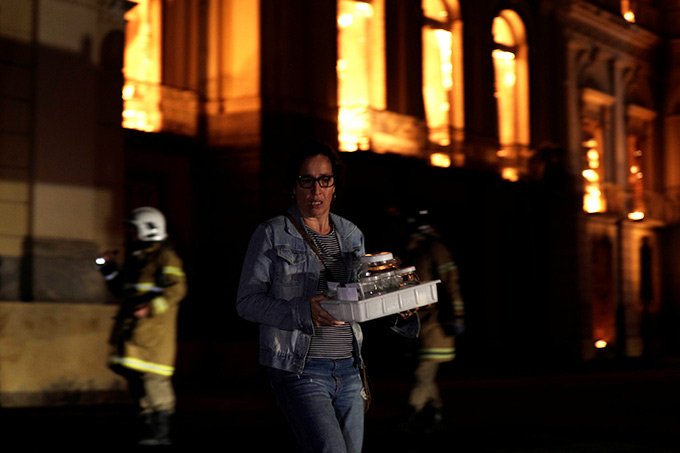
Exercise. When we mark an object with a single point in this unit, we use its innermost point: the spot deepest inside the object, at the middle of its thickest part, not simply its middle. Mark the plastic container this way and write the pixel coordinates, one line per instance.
(410, 297)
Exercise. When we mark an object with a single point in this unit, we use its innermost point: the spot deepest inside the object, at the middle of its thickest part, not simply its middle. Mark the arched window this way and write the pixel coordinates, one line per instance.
(360, 69)
(510, 59)
(142, 67)
(443, 81)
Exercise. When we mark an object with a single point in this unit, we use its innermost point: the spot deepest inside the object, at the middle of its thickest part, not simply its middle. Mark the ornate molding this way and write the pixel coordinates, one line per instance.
(584, 21)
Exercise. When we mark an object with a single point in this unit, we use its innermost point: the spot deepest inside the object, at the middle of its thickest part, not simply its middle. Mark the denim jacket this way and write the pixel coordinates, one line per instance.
(280, 273)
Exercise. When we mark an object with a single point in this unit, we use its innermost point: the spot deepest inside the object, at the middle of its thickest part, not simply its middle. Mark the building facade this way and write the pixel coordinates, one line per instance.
(543, 134)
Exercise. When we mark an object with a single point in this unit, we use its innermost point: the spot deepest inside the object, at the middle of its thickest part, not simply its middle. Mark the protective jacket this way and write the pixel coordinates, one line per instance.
(152, 276)
(442, 320)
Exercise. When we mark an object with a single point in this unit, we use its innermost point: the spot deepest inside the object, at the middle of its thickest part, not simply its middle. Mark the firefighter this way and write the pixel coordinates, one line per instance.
(440, 322)
(150, 284)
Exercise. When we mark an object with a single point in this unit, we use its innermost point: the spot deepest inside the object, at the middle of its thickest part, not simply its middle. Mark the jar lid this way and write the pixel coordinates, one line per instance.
(407, 270)
(387, 274)
(377, 257)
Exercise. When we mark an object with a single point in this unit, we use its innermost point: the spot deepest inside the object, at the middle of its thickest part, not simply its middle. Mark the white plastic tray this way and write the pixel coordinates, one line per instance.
(408, 298)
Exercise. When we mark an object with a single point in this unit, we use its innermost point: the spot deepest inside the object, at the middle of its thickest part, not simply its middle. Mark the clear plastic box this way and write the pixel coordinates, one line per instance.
(424, 293)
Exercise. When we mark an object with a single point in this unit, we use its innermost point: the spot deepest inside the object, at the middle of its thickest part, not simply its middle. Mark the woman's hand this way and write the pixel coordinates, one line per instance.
(321, 317)
(408, 313)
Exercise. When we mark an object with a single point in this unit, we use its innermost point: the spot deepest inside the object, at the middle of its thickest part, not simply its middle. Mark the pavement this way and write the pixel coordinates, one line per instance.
(621, 408)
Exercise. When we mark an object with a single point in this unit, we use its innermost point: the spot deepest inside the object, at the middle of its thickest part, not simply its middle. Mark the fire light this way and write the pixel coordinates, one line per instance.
(600, 343)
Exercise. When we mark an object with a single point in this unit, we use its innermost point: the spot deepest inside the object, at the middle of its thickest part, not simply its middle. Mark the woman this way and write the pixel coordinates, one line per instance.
(312, 359)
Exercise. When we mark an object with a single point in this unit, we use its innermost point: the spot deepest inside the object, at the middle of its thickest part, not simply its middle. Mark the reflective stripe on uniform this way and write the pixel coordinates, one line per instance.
(446, 267)
(141, 365)
(144, 287)
(173, 270)
(437, 353)
(159, 305)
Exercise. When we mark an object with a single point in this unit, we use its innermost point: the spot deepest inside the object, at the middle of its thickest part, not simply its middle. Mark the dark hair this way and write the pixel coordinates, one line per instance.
(313, 148)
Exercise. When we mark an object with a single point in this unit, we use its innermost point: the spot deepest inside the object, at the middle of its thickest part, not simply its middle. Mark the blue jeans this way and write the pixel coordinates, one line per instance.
(323, 405)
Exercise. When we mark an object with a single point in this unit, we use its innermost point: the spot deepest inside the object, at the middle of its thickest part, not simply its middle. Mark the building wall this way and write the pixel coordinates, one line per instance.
(62, 147)
(55, 354)
(61, 188)
(16, 141)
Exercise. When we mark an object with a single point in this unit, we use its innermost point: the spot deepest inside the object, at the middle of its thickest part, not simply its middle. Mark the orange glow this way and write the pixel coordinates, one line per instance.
(142, 67)
(510, 174)
(504, 63)
(437, 84)
(440, 160)
(636, 177)
(510, 62)
(627, 11)
(601, 344)
(356, 70)
(442, 73)
(593, 198)
(636, 215)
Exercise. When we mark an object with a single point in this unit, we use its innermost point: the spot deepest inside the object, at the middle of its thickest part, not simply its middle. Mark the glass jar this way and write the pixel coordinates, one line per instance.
(389, 281)
(376, 285)
(378, 274)
(370, 286)
(408, 276)
(375, 263)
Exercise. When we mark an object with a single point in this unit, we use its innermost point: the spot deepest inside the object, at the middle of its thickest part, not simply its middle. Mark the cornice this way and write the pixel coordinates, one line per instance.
(585, 21)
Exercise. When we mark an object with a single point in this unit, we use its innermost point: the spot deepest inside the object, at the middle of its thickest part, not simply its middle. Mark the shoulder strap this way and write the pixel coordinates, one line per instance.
(306, 236)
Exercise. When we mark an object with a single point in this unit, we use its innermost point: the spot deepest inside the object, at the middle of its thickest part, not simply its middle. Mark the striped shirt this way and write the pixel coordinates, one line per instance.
(333, 342)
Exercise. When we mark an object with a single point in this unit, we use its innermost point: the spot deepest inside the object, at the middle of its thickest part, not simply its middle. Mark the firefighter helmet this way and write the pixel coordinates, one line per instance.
(149, 223)
(419, 220)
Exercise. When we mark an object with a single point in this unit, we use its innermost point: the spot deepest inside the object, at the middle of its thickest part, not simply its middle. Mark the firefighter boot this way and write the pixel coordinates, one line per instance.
(431, 418)
(159, 422)
(427, 420)
(145, 426)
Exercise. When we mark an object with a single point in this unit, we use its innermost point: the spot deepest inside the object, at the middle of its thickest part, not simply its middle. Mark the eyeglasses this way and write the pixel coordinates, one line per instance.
(307, 182)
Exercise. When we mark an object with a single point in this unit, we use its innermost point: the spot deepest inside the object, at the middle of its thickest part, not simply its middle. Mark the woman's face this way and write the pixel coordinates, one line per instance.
(312, 199)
